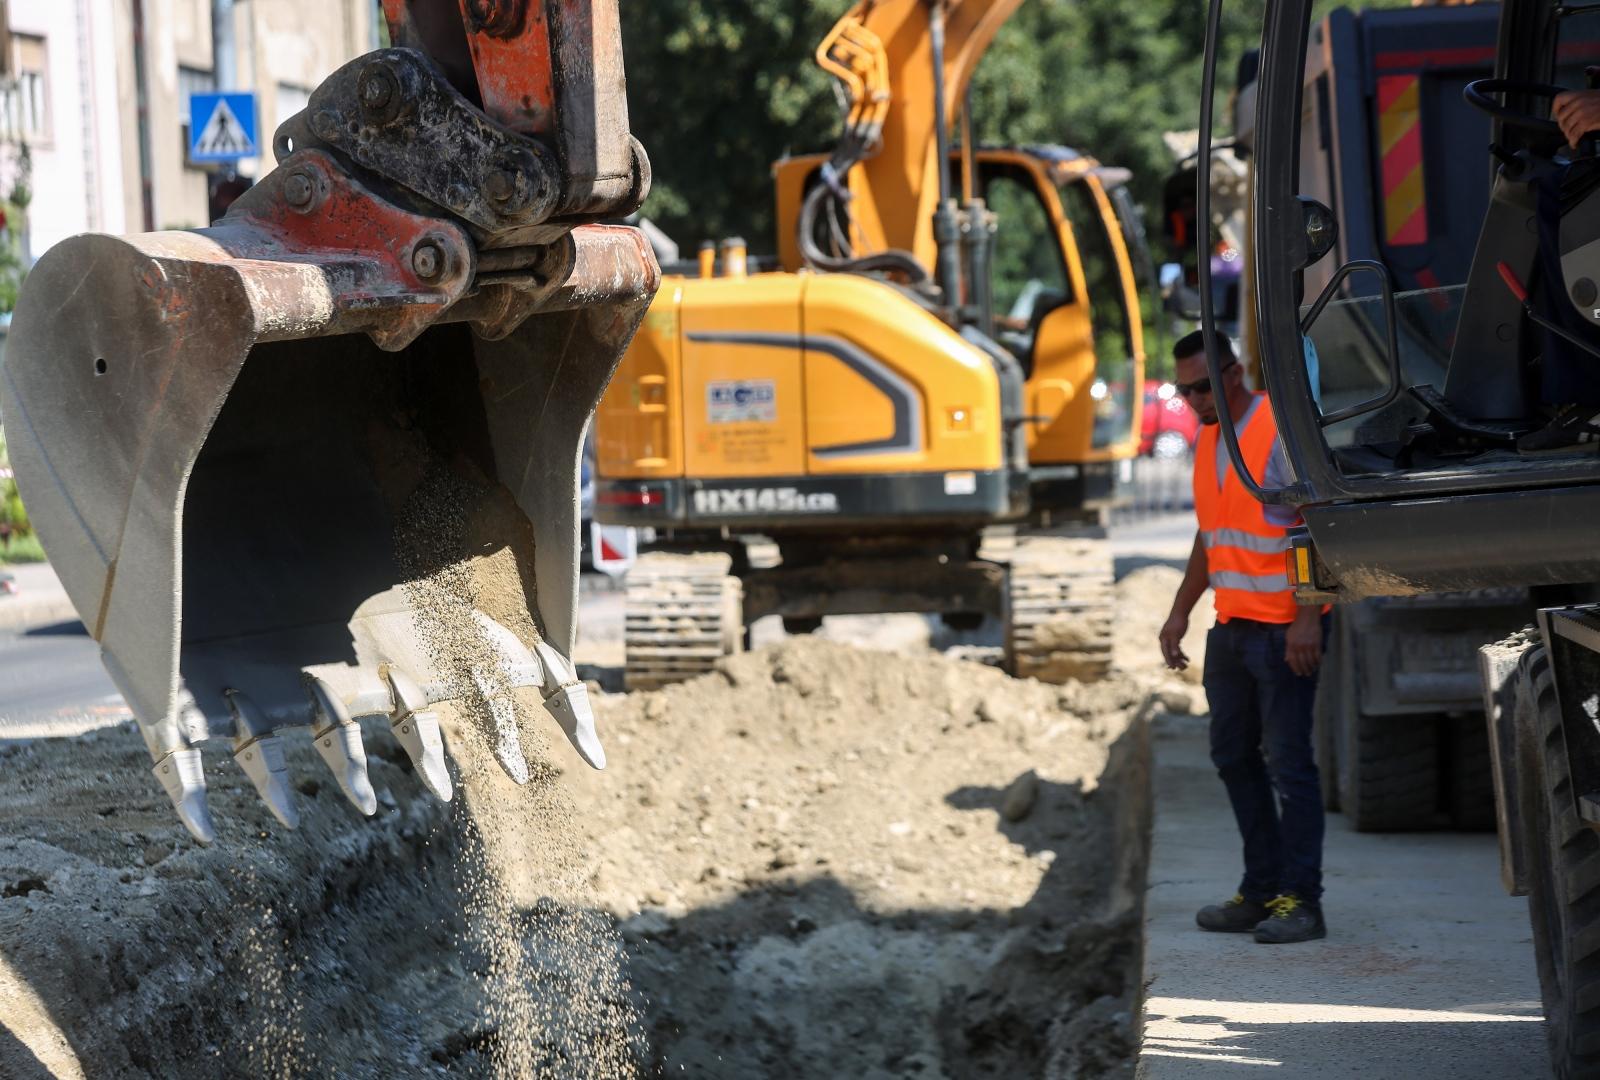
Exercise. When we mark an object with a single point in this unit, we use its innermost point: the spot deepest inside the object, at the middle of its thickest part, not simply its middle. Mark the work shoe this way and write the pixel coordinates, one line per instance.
(1291, 919)
(1237, 916)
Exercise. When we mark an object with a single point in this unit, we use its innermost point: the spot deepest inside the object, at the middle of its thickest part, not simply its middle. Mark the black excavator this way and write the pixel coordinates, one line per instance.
(1449, 438)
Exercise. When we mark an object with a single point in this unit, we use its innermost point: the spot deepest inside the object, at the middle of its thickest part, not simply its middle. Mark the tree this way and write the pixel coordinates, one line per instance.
(18, 171)
(13, 516)
(719, 89)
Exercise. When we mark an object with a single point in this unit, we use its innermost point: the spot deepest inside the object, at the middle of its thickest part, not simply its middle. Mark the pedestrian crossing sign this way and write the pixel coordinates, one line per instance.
(222, 127)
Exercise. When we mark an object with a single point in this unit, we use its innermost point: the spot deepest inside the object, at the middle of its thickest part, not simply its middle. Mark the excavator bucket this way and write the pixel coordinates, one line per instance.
(320, 461)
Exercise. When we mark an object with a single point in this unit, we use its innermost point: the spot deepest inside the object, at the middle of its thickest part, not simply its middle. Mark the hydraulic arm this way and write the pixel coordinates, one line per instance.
(237, 442)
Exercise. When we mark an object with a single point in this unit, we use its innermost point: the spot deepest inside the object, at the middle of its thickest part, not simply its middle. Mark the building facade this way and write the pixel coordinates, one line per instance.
(98, 92)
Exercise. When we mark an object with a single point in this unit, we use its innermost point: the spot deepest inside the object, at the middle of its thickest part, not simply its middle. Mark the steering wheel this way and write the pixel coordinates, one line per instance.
(1482, 95)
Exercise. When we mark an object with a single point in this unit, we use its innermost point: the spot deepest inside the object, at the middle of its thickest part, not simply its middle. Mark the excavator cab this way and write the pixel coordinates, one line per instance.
(320, 461)
(1414, 438)
(1058, 287)
(1445, 438)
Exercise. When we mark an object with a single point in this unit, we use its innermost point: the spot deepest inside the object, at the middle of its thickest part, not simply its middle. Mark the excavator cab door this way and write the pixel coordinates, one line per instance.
(1403, 415)
(1066, 301)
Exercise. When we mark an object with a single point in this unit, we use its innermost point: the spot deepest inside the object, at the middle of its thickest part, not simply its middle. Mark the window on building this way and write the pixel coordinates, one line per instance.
(25, 99)
(290, 100)
(191, 81)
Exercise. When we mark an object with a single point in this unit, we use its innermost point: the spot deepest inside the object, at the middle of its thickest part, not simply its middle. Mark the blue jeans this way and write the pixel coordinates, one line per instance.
(1258, 704)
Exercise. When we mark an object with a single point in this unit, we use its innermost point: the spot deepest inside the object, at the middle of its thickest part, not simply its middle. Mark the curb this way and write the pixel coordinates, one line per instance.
(30, 615)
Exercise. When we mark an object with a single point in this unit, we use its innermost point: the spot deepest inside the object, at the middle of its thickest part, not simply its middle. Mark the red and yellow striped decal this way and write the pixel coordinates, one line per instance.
(1405, 209)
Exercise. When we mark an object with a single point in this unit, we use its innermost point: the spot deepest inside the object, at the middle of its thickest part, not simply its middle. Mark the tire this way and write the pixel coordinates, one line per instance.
(1469, 783)
(1564, 877)
(1389, 773)
(1388, 766)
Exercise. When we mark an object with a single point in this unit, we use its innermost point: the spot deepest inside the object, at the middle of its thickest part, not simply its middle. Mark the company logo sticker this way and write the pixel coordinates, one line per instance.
(739, 401)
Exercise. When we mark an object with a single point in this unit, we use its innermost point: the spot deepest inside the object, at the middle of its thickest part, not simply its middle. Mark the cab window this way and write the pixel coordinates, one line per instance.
(1029, 272)
(1109, 314)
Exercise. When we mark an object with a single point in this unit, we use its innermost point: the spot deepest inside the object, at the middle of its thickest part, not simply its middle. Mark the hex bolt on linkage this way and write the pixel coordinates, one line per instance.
(298, 190)
(428, 261)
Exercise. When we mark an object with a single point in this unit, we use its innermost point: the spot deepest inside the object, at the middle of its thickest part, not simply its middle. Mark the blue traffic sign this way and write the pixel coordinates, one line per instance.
(222, 127)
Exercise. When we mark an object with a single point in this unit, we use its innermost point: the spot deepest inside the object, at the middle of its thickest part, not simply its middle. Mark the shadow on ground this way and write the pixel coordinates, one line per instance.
(66, 628)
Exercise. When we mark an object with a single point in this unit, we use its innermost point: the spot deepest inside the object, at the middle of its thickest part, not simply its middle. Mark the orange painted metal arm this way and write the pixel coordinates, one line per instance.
(548, 68)
(896, 189)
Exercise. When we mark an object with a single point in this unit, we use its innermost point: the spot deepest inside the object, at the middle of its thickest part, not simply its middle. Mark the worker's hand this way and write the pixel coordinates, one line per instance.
(1172, 641)
(1303, 642)
(1578, 113)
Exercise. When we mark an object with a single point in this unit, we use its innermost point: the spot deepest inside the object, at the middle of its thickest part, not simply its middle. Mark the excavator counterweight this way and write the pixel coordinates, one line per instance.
(286, 466)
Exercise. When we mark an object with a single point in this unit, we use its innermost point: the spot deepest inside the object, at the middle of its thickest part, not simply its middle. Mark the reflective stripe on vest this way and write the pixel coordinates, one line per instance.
(1263, 545)
(1262, 583)
(1244, 551)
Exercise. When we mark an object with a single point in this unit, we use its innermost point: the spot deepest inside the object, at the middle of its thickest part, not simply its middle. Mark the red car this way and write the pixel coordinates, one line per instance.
(1169, 427)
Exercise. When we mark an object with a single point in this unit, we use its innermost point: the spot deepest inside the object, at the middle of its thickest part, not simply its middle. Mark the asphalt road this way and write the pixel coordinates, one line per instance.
(52, 682)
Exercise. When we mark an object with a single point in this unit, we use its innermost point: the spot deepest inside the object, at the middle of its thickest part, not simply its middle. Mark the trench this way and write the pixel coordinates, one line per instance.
(815, 862)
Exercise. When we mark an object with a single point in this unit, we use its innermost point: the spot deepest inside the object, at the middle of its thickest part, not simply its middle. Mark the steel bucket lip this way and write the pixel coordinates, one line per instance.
(110, 505)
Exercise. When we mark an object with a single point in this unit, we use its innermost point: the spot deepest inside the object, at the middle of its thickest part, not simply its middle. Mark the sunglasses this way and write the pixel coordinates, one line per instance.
(1200, 386)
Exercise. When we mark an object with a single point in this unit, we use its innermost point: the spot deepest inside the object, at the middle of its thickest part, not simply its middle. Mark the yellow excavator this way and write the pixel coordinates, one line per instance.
(948, 339)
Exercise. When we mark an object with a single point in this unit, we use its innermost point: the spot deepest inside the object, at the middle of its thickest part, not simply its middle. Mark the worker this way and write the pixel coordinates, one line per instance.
(1261, 660)
(1569, 390)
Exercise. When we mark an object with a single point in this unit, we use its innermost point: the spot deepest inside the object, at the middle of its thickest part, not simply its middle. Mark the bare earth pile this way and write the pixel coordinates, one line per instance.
(818, 861)
(833, 862)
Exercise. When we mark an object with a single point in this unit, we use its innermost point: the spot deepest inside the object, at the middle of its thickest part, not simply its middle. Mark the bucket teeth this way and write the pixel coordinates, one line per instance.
(417, 729)
(338, 740)
(571, 709)
(260, 754)
(184, 779)
(262, 761)
(567, 700)
(503, 715)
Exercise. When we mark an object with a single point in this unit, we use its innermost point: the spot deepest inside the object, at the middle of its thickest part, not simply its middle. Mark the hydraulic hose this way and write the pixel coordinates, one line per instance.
(893, 260)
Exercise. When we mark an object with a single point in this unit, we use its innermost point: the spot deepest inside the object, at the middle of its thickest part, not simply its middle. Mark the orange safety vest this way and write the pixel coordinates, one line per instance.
(1244, 551)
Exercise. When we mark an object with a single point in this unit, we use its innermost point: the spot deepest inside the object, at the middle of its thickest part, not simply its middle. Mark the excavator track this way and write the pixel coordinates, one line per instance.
(683, 613)
(1059, 611)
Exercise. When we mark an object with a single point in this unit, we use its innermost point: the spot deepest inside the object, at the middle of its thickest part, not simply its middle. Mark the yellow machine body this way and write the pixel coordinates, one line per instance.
(846, 375)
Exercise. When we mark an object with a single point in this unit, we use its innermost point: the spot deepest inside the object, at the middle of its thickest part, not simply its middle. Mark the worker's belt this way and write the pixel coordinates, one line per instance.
(1253, 624)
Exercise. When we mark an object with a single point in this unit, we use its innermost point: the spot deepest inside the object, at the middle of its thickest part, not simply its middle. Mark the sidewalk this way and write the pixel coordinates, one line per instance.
(1427, 971)
(40, 602)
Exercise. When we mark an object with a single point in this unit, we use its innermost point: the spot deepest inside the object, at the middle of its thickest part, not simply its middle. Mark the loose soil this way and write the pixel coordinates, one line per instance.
(817, 861)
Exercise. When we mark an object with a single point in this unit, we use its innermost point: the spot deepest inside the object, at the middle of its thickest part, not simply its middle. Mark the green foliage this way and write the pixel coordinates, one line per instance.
(719, 90)
(22, 549)
(14, 204)
(14, 524)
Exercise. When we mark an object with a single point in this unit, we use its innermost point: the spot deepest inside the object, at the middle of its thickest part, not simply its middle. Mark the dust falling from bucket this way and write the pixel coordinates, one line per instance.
(556, 999)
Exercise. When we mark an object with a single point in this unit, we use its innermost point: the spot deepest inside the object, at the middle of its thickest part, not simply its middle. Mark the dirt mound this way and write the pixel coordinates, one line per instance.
(833, 862)
(1144, 598)
(818, 861)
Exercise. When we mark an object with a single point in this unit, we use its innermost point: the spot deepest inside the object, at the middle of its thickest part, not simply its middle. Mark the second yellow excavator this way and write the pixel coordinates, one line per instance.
(948, 339)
